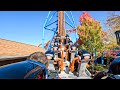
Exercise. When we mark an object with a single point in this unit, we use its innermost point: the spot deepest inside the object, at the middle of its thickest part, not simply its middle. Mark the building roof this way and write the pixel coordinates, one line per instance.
(13, 48)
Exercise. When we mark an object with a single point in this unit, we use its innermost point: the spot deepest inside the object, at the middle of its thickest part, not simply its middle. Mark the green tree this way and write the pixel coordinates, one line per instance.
(90, 33)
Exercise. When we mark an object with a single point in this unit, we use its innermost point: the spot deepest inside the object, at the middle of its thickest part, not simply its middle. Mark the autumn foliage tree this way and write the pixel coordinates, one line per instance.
(90, 33)
(111, 39)
(113, 24)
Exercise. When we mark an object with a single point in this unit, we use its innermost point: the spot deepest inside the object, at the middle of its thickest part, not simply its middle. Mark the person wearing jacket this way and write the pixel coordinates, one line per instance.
(35, 66)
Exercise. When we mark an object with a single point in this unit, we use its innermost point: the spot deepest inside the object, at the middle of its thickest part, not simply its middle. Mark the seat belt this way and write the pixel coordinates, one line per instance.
(32, 71)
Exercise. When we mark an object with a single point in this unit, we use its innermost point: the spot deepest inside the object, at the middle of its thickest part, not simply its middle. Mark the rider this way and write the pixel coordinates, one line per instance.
(35, 66)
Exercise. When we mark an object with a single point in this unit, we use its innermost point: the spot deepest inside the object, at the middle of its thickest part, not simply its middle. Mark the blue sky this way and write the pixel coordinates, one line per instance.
(27, 26)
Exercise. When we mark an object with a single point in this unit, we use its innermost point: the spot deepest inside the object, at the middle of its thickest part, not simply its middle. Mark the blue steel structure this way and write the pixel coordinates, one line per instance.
(48, 24)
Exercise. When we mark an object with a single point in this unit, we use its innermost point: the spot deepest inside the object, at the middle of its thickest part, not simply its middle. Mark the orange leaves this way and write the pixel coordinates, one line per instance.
(86, 17)
(104, 33)
(80, 32)
(104, 36)
(90, 33)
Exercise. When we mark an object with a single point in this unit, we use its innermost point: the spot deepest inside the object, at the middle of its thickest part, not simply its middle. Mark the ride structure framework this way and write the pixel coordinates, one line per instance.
(56, 22)
(61, 51)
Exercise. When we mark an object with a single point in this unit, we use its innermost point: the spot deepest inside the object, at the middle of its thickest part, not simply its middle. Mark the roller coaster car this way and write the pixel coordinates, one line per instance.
(64, 56)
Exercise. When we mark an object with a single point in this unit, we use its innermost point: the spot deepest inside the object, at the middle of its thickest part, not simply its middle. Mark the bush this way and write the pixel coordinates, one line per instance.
(98, 67)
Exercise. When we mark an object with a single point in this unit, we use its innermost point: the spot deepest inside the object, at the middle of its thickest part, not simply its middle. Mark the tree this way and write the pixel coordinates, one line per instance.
(90, 33)
(113, 24)
(112, 44)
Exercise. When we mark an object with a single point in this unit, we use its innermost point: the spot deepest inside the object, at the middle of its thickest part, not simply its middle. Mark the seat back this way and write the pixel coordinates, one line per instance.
(82, 69)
